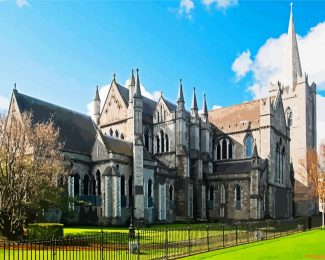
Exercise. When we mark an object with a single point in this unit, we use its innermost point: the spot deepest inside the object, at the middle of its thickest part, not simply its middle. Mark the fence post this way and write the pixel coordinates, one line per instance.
(138, 243)
(266, 227)
(208, 236)
(247, 233)
(236, 234)
(101, 244)
(189, 239)
(166, 241)
(223, 234)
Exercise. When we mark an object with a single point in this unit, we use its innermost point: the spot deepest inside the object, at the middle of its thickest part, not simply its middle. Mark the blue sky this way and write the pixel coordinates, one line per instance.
(59, 51)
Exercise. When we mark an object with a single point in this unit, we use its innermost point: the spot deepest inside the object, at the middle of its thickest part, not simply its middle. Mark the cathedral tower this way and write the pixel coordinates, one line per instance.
(299, 101)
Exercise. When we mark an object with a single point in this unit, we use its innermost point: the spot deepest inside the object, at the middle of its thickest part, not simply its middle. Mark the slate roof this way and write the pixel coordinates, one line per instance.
(77, 130)
(228, 167)
(123, 147)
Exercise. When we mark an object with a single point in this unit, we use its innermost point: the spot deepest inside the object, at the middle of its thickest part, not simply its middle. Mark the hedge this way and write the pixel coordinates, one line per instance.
(44, 231)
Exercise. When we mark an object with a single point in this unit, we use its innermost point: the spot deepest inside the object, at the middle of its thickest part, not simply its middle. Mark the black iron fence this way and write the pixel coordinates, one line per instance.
(152, 243)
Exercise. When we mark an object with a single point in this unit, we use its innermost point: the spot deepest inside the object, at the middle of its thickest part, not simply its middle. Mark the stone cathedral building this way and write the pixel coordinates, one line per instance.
(158, 161)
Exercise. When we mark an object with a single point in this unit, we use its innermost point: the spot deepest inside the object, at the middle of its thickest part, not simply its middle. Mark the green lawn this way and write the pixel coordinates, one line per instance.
(307, 245)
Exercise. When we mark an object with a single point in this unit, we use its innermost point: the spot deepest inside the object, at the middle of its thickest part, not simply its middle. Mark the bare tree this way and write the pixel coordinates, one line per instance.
(30, 161)
(316, 179)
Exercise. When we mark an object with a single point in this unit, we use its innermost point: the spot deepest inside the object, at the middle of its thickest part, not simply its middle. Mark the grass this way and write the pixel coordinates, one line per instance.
(306, 245)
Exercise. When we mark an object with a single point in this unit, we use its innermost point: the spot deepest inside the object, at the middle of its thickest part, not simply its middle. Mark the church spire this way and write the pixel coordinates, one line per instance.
(194, 103)
(137, 86)
(180, 99)
(97, 98)
(132, 83)
(292, 66)
(204, 109)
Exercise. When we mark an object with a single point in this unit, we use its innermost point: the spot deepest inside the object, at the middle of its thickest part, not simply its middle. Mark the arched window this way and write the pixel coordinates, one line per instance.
(218, 151)
(224, 149)
(130, 184)
(230, 150)
(248, 146)
(238, 196)
(167, 142)
(277, 162)
(111, 132)
(122, 136)
(99, 183)
(116, 133)
(122, 185)
(157, 144)
(161, 113)
(171, 193)
(150, 188)
(222, 194)
(93, 185)
(76, 189)
(164, 115)
(282, 164)
(86, 185)
(162, 137)
(157, 116)
(211, 193)
(146, 139)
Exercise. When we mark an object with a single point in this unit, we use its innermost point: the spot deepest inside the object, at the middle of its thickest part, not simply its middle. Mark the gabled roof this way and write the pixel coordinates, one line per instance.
(77, 131)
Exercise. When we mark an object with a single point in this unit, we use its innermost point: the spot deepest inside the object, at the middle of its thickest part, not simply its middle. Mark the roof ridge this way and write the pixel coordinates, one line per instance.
(54, 105)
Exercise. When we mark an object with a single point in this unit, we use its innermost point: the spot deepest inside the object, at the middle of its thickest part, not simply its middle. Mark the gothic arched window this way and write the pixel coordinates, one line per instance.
(224, 149)
(116, 133)
(86, 185)
(93, 185)
(277, 162)
(218, 151)
(146, 138)
(229, 150)
(122, 185)
(150, 188)
(162, 141)
(130, 186)
(211, 193)
(157, 116)
(111, 132)
(167, 143)
(248, 146)
(171, 192)
(76, 188)
(99, 191)
(122, 136)
(157, 144)
(282, 164)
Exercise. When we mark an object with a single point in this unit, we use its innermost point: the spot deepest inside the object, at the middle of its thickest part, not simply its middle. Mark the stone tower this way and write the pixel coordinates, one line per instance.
(138, 152)
(299, 101)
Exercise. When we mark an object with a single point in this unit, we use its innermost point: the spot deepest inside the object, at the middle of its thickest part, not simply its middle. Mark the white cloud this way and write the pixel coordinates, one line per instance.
(103, 91)
(220, 4)
(22, 3)
(216, 106)
(242, 64)
(185, 8)
(4, 103)
(267, 66)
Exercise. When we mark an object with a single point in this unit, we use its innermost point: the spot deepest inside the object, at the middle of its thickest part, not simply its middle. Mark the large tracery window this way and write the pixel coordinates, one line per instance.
(224, 149)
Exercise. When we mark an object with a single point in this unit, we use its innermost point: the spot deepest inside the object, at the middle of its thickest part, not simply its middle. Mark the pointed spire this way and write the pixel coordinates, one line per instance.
(132, 83)
(137, 85)
(114, 77)
(194, 103)
(97, 98)
(292, 65)
(204, 109)
(180, 92)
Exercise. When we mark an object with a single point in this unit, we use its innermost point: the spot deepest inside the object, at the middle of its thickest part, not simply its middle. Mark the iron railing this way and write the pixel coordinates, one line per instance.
(162, 242)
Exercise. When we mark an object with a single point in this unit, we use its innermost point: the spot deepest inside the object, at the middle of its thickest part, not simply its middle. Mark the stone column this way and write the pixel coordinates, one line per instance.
(71, 190)
(221, 153)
